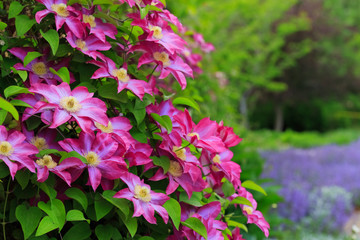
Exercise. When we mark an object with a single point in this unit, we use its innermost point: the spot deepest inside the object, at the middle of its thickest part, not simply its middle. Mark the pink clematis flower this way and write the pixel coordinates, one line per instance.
(63, 14)
(191, 180)
(108, 69)
(77, 104)
(45, 139)
(39, 67)
(167, 63)
(99, 151)
(253, 215)
(158, 31)
(88, 44)
(202, 135)
(227, 135)
(144, 199)
(221, 164)
(50, 163)
(32, 100)
(119, 128)
(15, 152)
(96, 25)
(235, 235)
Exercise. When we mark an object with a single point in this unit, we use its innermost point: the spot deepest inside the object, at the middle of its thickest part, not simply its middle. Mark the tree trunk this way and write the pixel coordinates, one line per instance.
(279, 118)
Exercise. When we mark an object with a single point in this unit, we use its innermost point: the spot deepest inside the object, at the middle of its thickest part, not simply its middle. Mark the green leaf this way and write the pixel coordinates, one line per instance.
(77, 195)
(109, 91)
(251, 185)
(46, 225)
(164, 121)
(146, 238)
(102, 207)
(104, 232)
(237, 224)
(56, 211)
(130, 223)
(47, 152)
(144, 11)
(98, 2)
(30, 56)
(23, 24)
(3, 114)
(76, 215)
(196, 225)
(48, 190)
(163, 2)
(9, 107)
(2, 25)
(29, 218)
(121, 204)
(186, 101)
(63, 73)
(174, 210)
(241, 200)
(228, 188)
(79, 231)
(14, 9)
(22, 177)
(52, 37)
(73, 154)
(195, 199)
(162, 161)
(20, 103)
(22, 74)
(14, 90)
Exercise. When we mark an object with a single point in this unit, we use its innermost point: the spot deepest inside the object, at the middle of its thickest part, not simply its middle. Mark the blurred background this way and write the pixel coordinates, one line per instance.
(286, 76)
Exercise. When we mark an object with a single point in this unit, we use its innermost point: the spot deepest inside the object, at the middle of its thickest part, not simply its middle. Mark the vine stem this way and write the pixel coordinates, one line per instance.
(6, 198)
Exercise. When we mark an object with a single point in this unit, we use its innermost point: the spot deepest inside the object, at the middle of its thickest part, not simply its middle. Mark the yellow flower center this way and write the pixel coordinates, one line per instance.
(215, 168)
(6, 149)
(162, 57)
(142, 193)
(60, 9)
(121, 74)
(157, 31)
(39, 68)
(180, 152)
(216, 159)
(248, 210)
(194, 134)
(70, 104)
(90, 19)
(106, 129)
(46, 161)
(81, 44)
(92, 159)
(175, 169)
(40, 143)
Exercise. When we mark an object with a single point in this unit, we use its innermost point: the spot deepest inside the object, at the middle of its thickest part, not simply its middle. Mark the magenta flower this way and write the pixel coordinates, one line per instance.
(77, 104)
(191, 181)
(202, 135)
(118, 127)
(158, 31)
(108, 69)
(235, 235)
(63, 14)
(145, 201)
(49, 163)
(99, 151)
(227, 135)
(88, 44)
(32, 100)
(96, 25)
(168, 63)
(221, 163)
(39, 67)
(15, 152)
